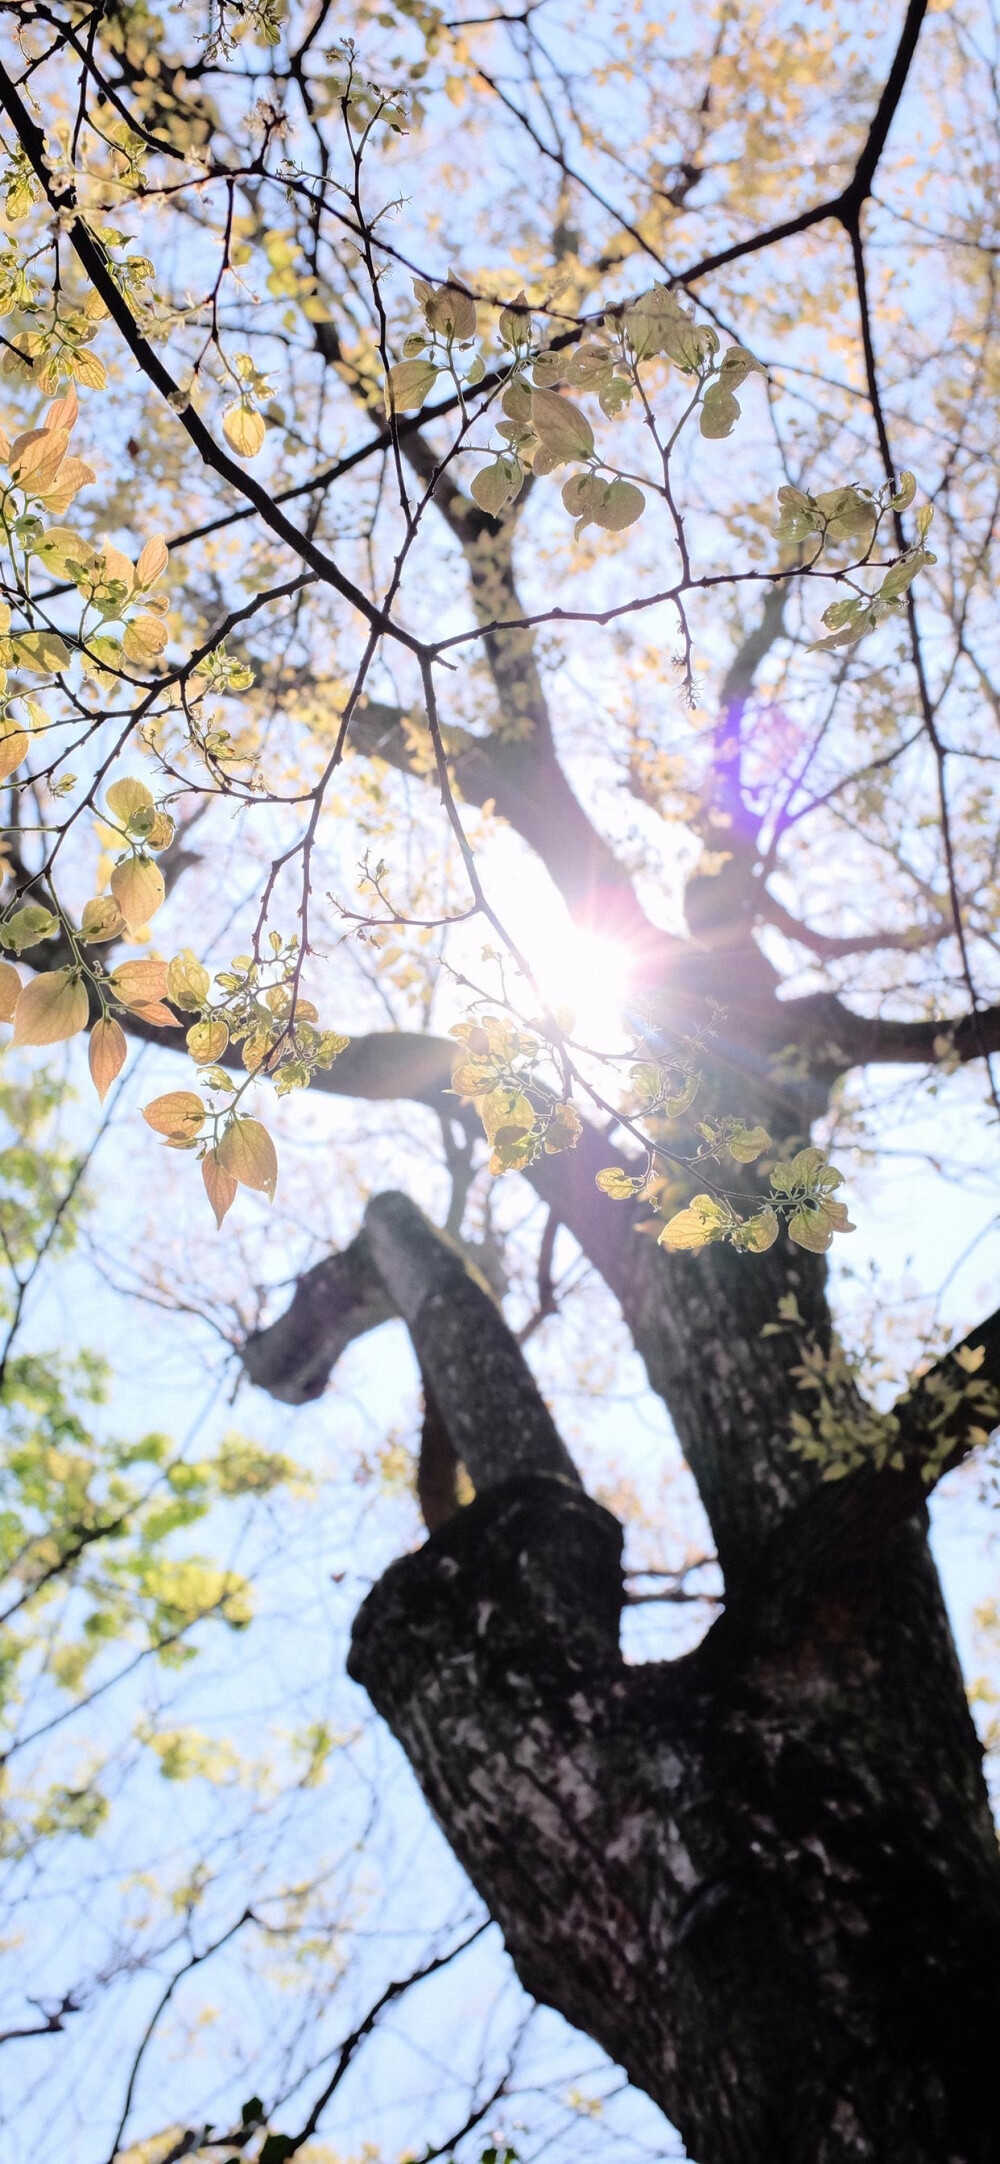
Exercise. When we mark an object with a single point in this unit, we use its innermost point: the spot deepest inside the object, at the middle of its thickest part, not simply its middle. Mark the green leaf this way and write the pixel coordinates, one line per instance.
(720, 411)
(563, 431)
(757, 1233)
(746, 1144)
(409, 383)
(814, 1225)
(498, 484)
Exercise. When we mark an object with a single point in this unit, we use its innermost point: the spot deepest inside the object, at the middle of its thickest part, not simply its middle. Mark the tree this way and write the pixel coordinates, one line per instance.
(763, 1877)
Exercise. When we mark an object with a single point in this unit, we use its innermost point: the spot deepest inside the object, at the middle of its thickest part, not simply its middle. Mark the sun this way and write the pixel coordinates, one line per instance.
(587, 974)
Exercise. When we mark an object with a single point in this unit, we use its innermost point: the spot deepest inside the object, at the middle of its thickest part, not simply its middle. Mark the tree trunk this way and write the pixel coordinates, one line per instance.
(763, 1877)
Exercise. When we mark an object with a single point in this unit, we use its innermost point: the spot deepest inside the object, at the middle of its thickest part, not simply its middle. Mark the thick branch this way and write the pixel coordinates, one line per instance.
(482, 1387)
(337, 1301)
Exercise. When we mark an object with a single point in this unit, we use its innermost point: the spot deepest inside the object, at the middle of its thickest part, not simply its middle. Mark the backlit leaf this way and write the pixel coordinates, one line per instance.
(138, 888)
(179, 1115)
(244, 430)
(106, 1054)
(10, 990)
(247, 1153)
(51, 1008)
(220, 1186)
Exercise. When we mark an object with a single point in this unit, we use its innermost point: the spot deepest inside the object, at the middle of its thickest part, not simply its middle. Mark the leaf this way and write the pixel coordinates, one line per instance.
(106, 1054)
(117, 566)
(409, 383)
(74, 474)
(10, 991)
(905, 492)
(60, 547)
(614, 1182)
(720, 411)
(13, 748)
(813, 1226)
(746, 1144)
(187, 982)
(206, 1042)
(736, 365)
(563, 1131)
(220, 1185)
(563, 431)
(152, 562)
(27, 926)
(35, 458)
(128, 796)
(154, 1011)
(51, 1008)
(449, 308)
(102, 919)
(969, 1357)
(758, 1233)
(623, 504)
(136, 983)
(64, 412)
(144, 639)
(161, 833)
(139, 890)
(809, 1169)
(244, 430)
(247, 1153)
(903, 574)
(703, 1221)
(41, 651)
(498, 484)
(179, 1115)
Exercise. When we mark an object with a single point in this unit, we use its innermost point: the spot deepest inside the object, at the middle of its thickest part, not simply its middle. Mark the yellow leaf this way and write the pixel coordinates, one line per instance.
(59, 547)
(128, 796)
(106, 1054)
(64, 412)
(10, 991)
(136, 983)
(616, 1183)
(152, 562)
(206, 1042)
(13, 748)
(43, 651)
(244, 430)
(51, 1008)
(102, 919)
(255, 1049)
(187, 982)
(35, 458)
(704, 1220)
(179, 1115)
(74, 474)
(144, 639)
(117, 565)
(138, 888)
(161, 833)
(89, 371)
(220, 1186)
(247, 1153)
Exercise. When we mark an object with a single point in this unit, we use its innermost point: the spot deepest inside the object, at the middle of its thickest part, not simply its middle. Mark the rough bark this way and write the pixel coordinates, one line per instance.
(763, 1877)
